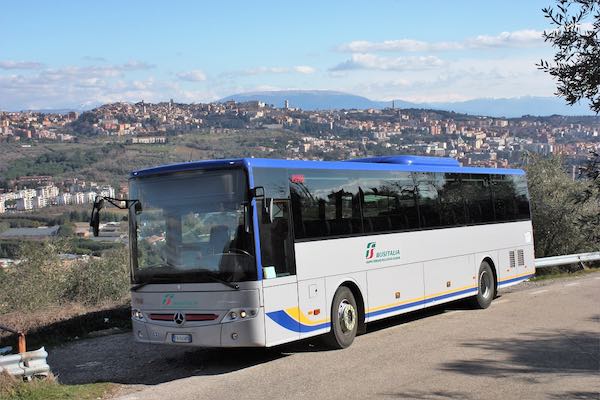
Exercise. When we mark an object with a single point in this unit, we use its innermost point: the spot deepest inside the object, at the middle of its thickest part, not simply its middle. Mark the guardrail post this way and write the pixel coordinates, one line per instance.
(22, 347)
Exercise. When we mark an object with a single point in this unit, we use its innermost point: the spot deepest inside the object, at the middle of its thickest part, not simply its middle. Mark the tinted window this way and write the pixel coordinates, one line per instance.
(274, 180)
(324, 203)
(521, 196)
(477, 193)
(428, 198)
(452, 209)
(505, 205)
(389, 201)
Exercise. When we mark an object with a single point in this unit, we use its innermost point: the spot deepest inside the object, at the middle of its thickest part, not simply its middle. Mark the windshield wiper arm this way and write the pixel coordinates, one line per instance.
(209, 274)
(137, 286)
(154, 279)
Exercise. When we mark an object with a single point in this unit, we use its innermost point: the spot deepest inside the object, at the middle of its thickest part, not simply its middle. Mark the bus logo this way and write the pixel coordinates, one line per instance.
(370, 250)
(373, 255)
(167, 299)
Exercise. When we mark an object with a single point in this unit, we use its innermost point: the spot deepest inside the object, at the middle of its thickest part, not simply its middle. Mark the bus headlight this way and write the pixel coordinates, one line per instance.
(137, 314)
(239, 314)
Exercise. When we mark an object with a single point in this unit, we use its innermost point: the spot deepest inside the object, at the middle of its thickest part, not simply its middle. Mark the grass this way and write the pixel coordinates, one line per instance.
(50, 389)
(559, 275)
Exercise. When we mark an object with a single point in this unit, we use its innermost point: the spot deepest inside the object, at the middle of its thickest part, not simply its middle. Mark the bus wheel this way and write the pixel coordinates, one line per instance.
(344, 319)
(486, 286)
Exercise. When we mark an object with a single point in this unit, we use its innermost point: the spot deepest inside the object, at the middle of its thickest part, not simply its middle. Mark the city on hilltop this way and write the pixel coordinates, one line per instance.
(327, 134)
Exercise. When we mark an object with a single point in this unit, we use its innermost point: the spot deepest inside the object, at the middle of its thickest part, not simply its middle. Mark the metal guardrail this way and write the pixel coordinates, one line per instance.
(26, 365)
(566, 259)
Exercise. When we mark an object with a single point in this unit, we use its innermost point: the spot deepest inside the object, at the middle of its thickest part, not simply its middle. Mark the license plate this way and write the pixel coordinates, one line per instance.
(180, 338)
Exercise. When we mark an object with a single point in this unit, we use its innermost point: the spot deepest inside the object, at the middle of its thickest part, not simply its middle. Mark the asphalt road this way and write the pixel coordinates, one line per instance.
(536, 341)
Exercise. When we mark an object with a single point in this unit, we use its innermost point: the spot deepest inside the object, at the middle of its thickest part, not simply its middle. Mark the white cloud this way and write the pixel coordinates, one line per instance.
(70, 86)
(10, 64)
(301, 69)
(459, 80)
(408, 45)
(192, 76)
(374, 62)
(521, 38)
(304, 69)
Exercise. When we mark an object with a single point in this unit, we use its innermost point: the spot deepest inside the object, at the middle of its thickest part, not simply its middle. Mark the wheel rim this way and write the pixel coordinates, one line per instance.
(346, 316)
(485, 284)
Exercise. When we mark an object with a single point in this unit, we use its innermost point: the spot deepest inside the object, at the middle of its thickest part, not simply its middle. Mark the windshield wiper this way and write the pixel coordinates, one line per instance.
(154, 279)
(209, 274)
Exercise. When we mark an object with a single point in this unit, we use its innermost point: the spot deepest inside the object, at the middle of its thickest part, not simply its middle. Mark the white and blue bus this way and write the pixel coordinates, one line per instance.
(259, 252)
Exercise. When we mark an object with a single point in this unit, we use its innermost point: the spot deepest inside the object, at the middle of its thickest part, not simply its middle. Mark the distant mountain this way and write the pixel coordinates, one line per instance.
(325, 100)
(314, 100)
(514, 107)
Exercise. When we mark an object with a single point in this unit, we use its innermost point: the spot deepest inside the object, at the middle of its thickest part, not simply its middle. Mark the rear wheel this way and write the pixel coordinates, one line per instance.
(486, 286)
(344, 319)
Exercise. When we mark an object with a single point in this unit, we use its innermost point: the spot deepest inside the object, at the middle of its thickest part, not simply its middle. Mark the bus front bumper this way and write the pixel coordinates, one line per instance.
(243, 333)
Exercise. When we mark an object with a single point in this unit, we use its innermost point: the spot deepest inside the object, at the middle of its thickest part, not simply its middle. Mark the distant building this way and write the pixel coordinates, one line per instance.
(39, 202)
(24, 204)
(65, 199)
(43, 232)
(107, 191)
(2, 207)
(148, 140)
(37, 180)
(79, 198)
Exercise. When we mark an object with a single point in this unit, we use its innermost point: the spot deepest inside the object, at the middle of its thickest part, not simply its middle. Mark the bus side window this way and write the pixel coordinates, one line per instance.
(504, 198)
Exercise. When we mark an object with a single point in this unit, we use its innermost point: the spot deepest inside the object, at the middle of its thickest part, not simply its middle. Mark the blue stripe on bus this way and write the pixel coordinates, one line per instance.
(282, 318)
(519, 278)
(258, 258)
(286, 321)
(419, 302)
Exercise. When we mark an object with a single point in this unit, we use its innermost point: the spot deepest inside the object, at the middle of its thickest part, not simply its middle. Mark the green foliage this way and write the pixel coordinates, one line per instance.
(99, 280)
(590, 224)
(576, 65)
(49, 389)
(54, 163)
(43, 280)
(555, 213)
(11, 248)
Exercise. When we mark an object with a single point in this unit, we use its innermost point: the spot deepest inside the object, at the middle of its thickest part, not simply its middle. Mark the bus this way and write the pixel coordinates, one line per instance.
(259, 252)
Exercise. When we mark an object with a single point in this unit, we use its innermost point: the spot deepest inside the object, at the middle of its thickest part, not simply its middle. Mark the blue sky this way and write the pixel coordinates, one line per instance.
(66, 53)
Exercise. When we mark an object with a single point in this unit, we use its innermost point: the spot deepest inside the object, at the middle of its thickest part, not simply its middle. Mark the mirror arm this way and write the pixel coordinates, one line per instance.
(117, 202)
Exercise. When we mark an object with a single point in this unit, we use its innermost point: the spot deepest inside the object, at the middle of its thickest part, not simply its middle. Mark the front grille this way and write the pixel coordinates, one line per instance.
(162, 317)
(201, 317)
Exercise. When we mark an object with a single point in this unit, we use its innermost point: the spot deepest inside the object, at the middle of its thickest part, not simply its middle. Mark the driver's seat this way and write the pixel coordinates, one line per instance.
(219, 239)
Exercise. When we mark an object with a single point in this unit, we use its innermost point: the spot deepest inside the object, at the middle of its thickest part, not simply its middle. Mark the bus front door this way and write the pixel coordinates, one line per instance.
(280, 283)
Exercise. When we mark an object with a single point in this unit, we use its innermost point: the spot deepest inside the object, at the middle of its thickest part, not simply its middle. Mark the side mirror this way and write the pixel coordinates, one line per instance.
(95, 218)
(257, 193)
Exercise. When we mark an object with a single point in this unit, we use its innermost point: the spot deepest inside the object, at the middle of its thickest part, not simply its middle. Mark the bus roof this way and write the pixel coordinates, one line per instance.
(390, 163)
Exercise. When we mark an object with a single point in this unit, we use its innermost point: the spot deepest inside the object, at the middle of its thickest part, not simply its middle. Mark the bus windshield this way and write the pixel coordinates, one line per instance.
(194, 227)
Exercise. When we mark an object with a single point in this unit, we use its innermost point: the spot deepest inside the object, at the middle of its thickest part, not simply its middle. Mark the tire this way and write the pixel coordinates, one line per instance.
(486, 287)
(344, 319)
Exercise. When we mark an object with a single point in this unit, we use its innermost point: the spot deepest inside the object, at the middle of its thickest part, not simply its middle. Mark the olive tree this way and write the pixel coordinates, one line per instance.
(575, 34)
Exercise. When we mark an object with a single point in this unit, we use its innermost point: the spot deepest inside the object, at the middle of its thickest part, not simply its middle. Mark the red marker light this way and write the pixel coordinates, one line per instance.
(297, 178)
